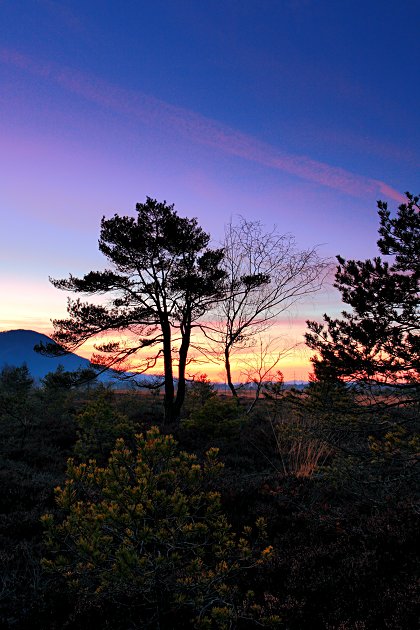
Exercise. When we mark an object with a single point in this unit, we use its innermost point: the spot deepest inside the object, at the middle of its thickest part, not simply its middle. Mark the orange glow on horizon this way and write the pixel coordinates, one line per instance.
(295, 366)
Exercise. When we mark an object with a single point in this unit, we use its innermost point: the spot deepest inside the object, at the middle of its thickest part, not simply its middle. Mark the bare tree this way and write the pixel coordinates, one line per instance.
(266, 275)
(260, 368)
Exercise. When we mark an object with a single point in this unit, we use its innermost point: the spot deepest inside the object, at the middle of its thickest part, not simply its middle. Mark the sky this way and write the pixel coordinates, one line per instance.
(298, 113)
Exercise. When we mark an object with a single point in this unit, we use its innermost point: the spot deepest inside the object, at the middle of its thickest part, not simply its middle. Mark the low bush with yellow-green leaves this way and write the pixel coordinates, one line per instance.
(148, 532)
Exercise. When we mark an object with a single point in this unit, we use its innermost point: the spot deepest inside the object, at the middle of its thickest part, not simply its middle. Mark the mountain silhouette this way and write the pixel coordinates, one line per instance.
(17, 348)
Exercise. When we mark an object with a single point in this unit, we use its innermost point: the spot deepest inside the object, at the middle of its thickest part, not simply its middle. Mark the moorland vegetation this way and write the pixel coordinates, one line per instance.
(180, 507)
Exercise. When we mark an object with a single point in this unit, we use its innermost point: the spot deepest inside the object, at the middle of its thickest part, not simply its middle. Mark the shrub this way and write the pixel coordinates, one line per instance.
(99, 425)
(216, 418)
(199, 391)
(147, 532)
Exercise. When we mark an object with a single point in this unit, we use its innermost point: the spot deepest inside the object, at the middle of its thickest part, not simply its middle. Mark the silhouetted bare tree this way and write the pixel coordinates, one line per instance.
(260, 368)
(266, 275)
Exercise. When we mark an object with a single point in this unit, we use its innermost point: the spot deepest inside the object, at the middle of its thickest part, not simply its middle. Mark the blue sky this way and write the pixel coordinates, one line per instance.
(298, 112)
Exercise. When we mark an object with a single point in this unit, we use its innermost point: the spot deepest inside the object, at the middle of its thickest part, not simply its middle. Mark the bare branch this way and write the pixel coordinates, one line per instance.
(266, 276)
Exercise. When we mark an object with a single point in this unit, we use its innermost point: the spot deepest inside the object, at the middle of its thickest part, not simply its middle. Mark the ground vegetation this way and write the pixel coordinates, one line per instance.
(301, 513)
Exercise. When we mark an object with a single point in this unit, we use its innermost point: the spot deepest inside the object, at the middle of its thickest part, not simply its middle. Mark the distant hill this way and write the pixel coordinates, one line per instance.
(17, 347)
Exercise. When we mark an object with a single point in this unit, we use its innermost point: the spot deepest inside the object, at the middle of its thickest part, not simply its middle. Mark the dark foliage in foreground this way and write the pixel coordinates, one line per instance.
(338, 503)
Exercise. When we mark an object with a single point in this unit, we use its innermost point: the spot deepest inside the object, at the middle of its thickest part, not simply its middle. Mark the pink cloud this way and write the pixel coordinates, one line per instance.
(200, 129)
(386, 190)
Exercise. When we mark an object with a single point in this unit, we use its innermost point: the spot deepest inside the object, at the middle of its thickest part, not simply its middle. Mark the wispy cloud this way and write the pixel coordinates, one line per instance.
(199, 129)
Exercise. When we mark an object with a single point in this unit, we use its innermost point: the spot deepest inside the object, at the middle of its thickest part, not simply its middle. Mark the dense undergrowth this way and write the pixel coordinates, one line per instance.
(305, 516)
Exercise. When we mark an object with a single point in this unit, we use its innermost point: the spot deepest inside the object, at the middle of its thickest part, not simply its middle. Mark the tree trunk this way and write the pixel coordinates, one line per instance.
(183, 354)
(169, 377)
(229, 376)
(257, 396)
